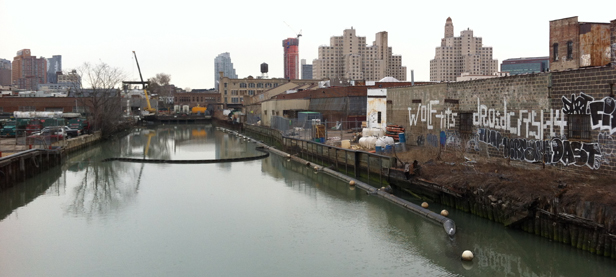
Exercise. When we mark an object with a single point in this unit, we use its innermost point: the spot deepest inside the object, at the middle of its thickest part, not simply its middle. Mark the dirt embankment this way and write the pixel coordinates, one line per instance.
(588, 196)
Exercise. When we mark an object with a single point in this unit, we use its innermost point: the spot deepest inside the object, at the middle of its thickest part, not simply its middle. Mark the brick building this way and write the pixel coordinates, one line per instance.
(30, 104)
(575, 44)
(198, 97)
(28, 71)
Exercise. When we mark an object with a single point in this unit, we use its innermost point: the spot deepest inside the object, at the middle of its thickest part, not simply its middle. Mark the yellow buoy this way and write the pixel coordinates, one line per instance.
(467, 255)
(444, 213)
(424, 205)
(352, 183)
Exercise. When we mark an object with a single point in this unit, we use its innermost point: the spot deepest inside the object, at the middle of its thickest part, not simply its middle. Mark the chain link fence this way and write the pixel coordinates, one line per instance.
(316, 129)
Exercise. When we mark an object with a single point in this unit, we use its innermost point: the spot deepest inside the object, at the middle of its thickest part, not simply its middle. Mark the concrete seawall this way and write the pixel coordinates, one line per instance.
(26, 164)
(584, 225)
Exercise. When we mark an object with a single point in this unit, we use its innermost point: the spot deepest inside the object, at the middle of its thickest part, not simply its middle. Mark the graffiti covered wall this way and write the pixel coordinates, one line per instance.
(559, 118)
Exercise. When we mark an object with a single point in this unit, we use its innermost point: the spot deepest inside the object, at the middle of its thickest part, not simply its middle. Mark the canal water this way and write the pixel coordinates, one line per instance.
(267, 217)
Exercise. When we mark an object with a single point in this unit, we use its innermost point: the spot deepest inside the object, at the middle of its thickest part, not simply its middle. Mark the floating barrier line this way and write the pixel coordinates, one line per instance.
(448, 224)
(157, 161)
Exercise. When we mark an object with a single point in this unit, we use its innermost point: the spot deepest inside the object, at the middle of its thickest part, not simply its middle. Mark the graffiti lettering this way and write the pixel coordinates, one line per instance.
(601, 111)
(426, 113)
(532, 121)
(420, 140)
(550, 151)
(432, 140)
(577, 105)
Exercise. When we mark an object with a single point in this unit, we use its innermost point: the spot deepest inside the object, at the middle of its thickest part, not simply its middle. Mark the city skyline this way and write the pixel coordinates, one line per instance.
(183, 43)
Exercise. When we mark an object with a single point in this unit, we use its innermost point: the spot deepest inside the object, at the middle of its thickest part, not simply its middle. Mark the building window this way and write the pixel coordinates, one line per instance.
(569, 50)
(243, 85)
(555, 51)
(579, 127)
(378, 117)
(52, 109)
(27, 109)
(466, 123)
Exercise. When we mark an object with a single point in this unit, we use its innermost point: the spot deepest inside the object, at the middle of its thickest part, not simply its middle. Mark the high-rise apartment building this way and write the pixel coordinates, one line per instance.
(348, 57)
(222, 63)
(28, 71)
(463, 54)
(54, 66)
(291, 58)
(306, 70)
(5, 72)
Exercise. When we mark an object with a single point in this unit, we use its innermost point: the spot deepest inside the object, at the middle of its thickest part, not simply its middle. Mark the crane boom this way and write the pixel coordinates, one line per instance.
(145, 91)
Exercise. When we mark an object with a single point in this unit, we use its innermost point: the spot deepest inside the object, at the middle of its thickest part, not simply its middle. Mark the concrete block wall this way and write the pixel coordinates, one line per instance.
(521, 118)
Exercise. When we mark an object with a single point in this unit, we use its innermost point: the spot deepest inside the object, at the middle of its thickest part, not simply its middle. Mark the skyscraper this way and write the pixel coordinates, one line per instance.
(5, 72)
(54, 65)
(349, 58)
(222, 63)
(463, 54)
(306, 70)
(291, 58)
(28, 71)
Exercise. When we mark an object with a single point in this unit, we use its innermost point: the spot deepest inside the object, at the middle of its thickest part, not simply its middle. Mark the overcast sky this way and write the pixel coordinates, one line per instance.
(182, 37)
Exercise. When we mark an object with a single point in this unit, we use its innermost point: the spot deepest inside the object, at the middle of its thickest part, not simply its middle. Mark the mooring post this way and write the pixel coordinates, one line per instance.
(368, 167)
(356, 164)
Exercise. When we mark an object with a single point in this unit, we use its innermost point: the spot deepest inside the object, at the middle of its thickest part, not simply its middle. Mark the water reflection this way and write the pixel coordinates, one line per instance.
(498, 250)
(22, 194)
(209, 219)
(103, 187)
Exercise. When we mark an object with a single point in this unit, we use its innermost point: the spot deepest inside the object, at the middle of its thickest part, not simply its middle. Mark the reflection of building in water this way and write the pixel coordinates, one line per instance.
(229, 146)
(21, 194)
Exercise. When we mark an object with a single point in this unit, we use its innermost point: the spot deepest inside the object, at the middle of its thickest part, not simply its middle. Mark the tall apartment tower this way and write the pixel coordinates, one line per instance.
(54, 66)
(306, 70)
(291, 58)
(222, 63)
(5, 72)
(349, 58)
(28, 71)
(463, 54)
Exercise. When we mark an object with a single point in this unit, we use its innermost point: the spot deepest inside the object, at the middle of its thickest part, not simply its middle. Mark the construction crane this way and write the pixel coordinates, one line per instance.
(145, 91)
(294, 32)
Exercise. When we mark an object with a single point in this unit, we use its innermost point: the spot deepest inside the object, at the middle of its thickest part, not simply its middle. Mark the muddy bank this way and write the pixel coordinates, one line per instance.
(570, 208)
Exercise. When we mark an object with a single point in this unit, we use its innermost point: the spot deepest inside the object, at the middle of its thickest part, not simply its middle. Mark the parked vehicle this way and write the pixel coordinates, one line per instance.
(80, 124)
(47, 136)
(9, 128)
(71, 133)
(68, 131)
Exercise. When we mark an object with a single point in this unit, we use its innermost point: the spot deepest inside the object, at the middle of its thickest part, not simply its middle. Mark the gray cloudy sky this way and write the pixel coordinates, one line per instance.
(182, 37)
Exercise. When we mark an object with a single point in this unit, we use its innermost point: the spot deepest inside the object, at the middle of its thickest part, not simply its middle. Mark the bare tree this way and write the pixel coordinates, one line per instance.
(160, 85)
(100, 94)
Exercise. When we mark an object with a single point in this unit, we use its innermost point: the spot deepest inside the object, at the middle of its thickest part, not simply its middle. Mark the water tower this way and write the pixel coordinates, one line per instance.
(264, 71)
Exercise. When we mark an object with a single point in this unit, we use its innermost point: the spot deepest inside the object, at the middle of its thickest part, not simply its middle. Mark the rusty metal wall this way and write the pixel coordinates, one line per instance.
(595, 45)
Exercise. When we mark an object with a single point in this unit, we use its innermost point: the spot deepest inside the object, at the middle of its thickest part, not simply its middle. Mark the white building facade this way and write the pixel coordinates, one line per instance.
(348, 57)
(463, 54)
